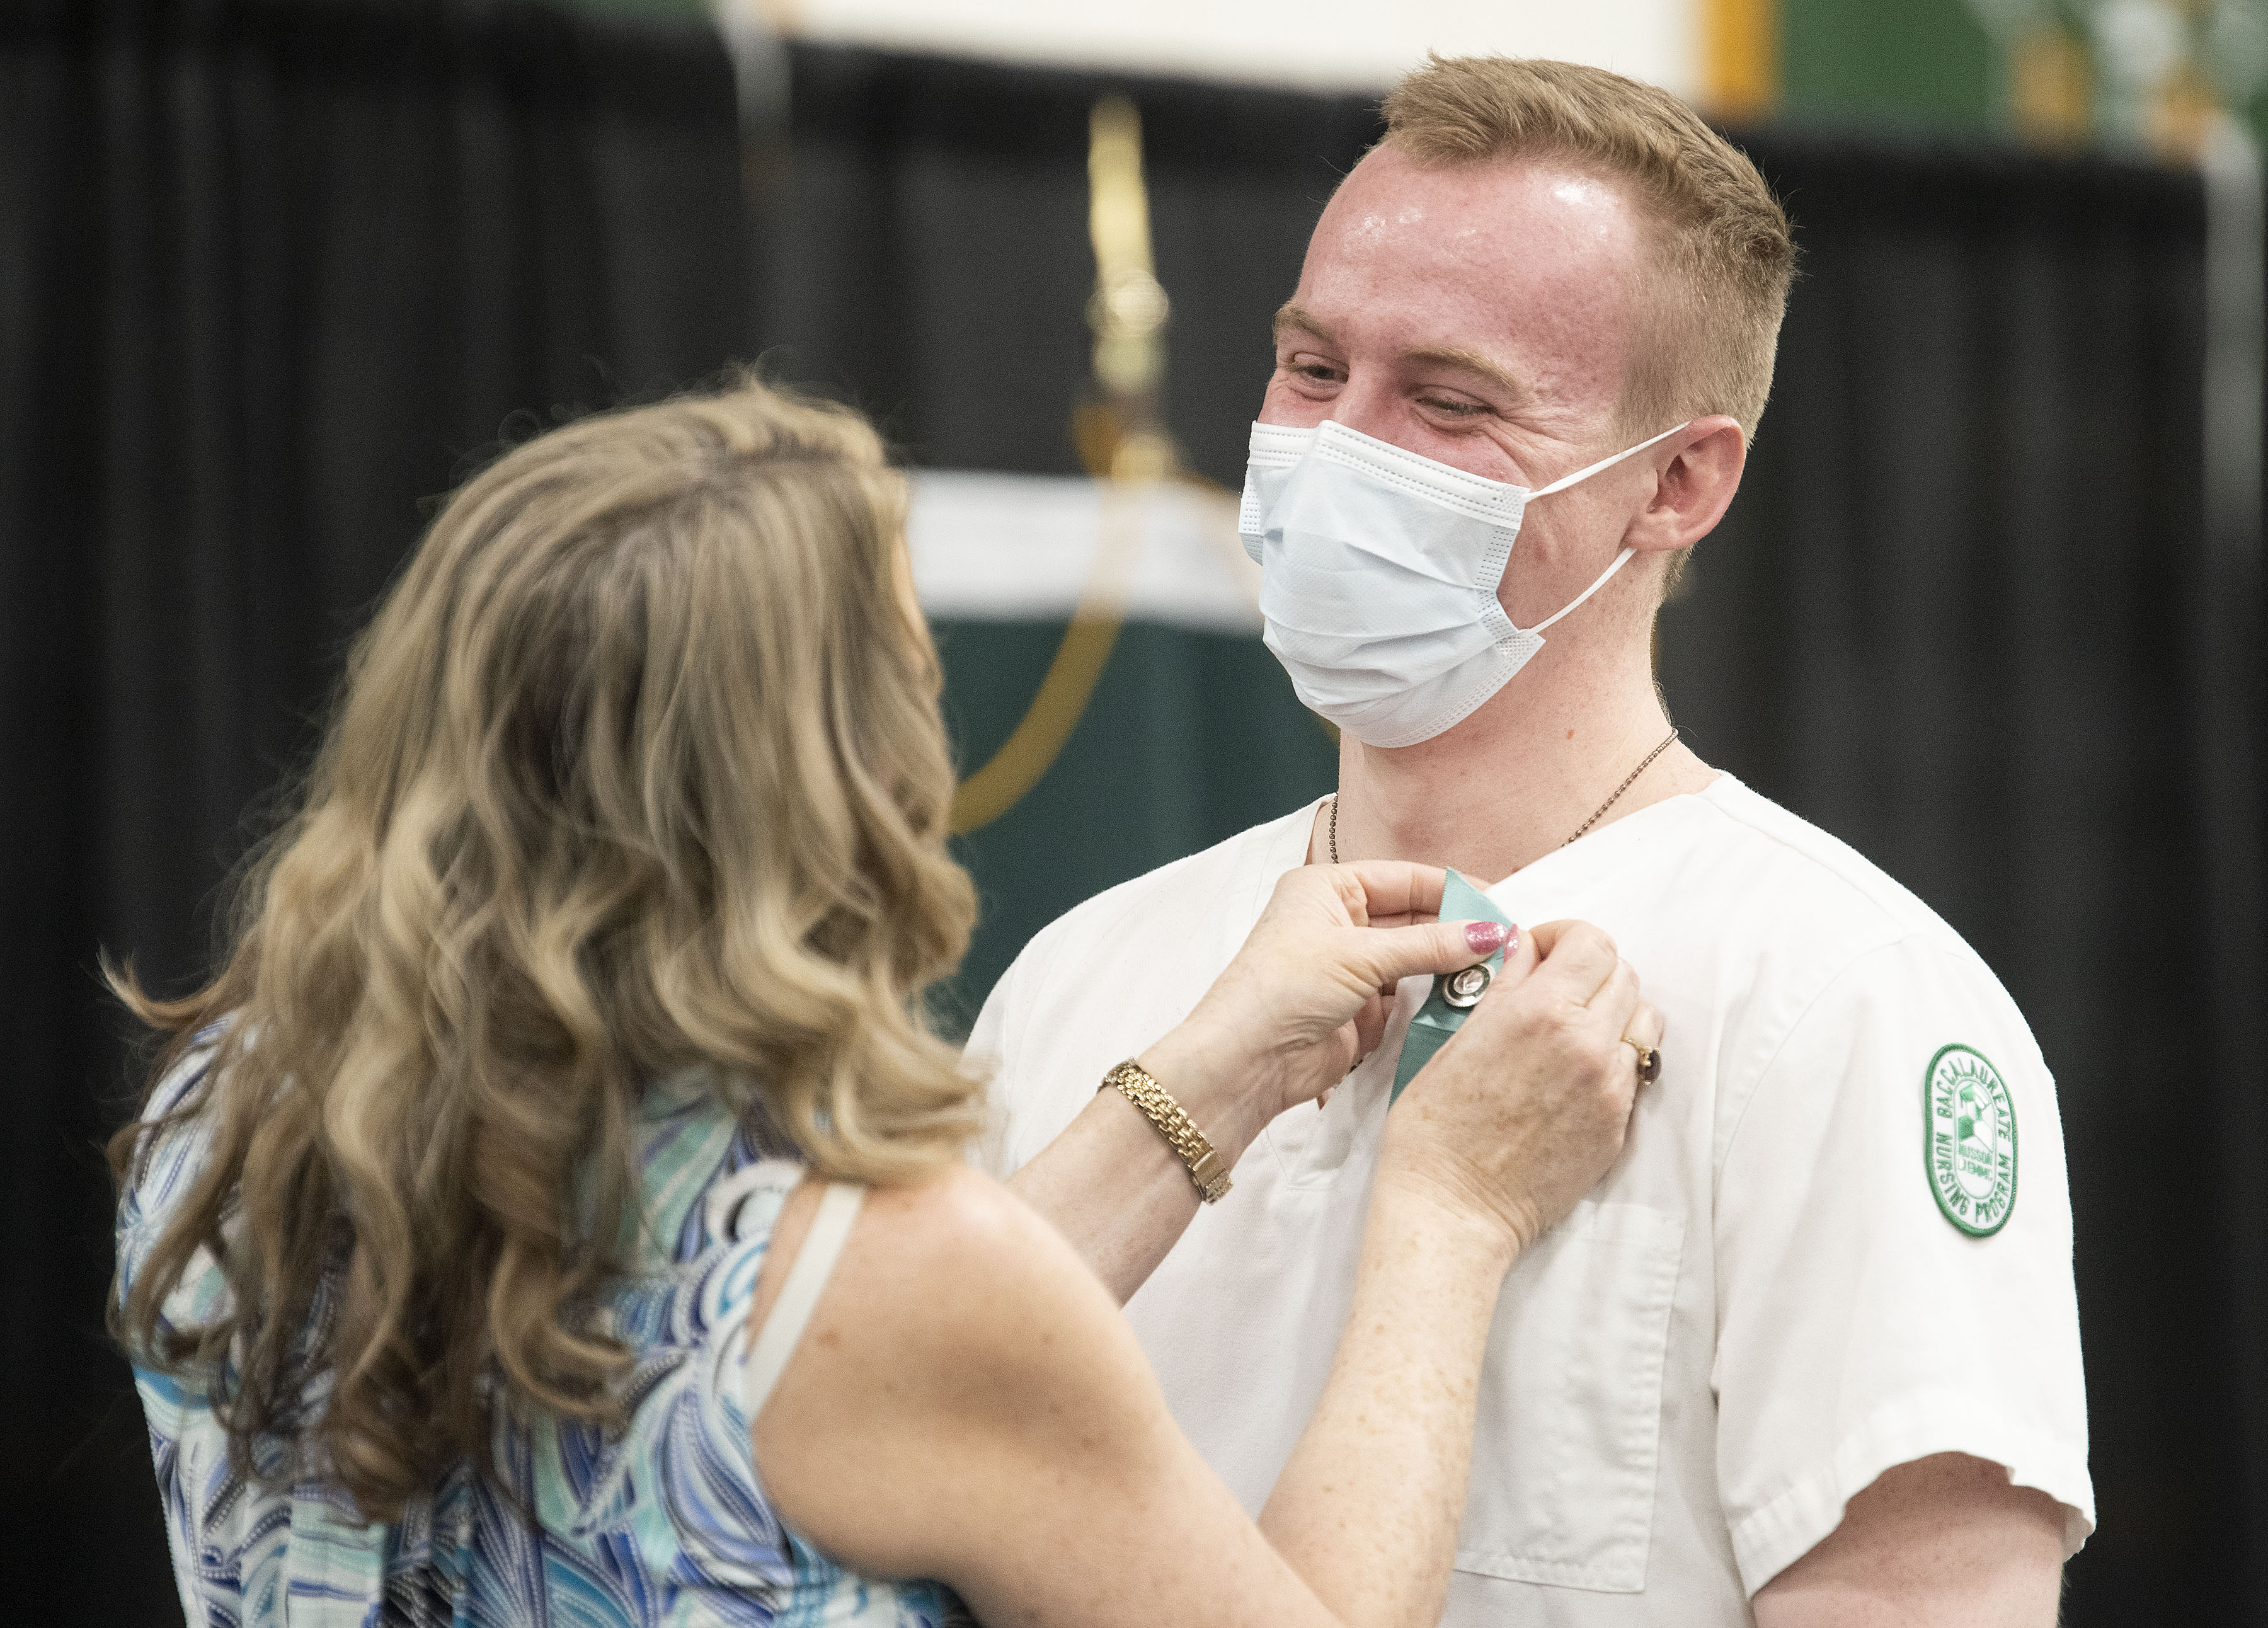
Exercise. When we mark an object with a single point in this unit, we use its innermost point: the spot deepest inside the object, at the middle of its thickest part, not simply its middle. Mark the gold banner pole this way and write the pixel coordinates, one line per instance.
(1121, 441)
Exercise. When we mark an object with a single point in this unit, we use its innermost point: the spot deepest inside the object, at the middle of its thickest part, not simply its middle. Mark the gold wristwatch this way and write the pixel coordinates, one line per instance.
(1207, 1172)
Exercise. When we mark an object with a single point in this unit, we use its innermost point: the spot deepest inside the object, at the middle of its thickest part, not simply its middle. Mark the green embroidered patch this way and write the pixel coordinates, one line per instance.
(1969, 1140)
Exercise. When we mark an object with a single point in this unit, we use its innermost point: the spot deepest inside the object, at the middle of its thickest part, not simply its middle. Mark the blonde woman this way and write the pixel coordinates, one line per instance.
(492, 1246)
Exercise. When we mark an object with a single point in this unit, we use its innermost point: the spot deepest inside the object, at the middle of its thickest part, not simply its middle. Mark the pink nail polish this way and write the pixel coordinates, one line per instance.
(1485, 937)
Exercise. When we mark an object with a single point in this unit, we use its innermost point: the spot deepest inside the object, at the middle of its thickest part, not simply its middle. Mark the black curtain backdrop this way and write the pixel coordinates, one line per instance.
(271, 277)
(1966, 615)
(929, 254)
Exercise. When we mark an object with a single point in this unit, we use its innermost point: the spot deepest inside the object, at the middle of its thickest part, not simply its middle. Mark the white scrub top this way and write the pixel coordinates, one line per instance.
(1839, 1238)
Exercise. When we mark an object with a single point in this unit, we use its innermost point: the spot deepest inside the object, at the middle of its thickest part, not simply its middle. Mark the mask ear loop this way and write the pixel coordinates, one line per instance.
(1588, 470)
(1622, 559)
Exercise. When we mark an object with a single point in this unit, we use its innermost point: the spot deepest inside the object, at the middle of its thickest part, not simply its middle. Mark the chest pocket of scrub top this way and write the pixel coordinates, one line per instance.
(1568, 1438)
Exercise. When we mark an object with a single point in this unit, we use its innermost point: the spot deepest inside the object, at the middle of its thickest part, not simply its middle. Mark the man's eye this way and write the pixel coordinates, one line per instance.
(1317, 371)
(1454, 409)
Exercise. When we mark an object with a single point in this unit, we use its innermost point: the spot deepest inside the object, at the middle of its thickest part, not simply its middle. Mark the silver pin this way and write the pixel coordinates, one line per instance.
(1465, 988)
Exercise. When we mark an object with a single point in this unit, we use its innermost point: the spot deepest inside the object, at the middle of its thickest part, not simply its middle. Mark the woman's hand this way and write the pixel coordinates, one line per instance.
(966, 1405)
(1307, 996)
(1527, 1106)
(1496, 1138)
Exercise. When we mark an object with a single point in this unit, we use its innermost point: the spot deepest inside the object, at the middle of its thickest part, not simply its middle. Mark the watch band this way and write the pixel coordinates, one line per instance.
(1207, 1172)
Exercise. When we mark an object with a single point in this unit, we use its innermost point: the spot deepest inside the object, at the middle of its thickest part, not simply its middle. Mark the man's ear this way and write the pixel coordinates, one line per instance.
(1693, 486)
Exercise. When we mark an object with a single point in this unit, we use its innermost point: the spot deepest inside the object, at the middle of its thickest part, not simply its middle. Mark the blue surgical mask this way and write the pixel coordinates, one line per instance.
(1378, 573)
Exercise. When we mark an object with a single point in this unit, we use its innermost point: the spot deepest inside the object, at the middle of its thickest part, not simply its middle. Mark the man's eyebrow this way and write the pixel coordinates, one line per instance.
(1294, 315)
(1470, 362)
(1296, 318)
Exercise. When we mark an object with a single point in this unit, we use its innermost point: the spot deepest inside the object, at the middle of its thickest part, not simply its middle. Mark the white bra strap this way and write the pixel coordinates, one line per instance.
(1620, 560)
(1588, 470)
(814, 1263)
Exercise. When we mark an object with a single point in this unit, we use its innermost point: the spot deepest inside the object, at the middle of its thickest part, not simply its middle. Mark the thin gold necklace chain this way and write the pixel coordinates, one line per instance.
(1628, 781)
(1644, 763)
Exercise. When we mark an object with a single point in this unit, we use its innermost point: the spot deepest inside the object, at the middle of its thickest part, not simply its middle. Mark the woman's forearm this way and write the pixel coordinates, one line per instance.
(1113, 1187)
(1303, 1000)
(1368, 1508)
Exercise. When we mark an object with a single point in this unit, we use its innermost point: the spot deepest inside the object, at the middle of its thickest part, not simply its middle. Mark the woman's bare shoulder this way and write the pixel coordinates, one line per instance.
(956, 1254)
(960, 1345)
(965, 1269)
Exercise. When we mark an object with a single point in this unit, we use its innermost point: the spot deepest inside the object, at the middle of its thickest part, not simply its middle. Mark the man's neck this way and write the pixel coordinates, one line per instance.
(1516, 778)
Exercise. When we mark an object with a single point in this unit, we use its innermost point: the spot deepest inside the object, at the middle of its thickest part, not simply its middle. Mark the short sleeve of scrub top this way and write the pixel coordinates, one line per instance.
(1006, 1142)
(1894, 1255)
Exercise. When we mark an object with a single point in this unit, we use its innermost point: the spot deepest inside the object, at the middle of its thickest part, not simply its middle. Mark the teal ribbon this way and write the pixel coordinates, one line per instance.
(1437, 1020)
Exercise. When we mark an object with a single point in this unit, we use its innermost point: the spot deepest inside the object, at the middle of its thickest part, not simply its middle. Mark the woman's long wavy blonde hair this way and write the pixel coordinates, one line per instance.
(639, 767)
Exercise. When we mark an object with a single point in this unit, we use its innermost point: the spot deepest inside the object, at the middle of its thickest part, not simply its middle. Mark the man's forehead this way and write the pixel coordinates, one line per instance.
(1389, 188)
(1489, 263)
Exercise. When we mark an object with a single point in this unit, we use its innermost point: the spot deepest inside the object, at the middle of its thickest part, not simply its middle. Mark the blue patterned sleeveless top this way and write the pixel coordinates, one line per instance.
(664, 1525)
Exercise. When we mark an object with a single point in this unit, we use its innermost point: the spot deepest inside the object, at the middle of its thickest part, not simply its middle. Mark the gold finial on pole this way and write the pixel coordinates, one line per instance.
(1120, 433)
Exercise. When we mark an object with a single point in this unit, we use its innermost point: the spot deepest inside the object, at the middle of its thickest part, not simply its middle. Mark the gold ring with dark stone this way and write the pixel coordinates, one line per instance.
(1649, 1061)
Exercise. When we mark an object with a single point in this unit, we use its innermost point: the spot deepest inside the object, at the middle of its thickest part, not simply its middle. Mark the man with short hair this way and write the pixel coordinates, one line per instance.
(1809, 1354)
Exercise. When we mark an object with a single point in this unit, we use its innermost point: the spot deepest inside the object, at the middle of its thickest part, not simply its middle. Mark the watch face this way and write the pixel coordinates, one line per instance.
(1464, 989)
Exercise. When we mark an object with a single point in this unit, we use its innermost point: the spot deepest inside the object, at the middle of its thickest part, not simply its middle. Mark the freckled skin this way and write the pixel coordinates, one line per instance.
(1487, 315)
(1529, 264)
(1536, 266)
